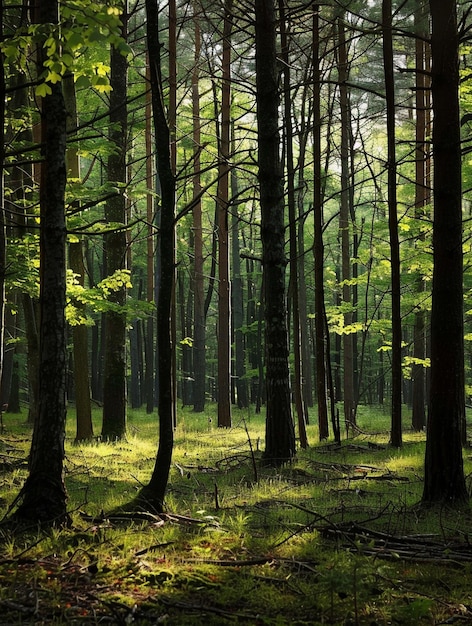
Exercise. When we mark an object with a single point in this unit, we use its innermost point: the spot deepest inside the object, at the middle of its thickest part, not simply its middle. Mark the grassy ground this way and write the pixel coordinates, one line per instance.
(334, 538)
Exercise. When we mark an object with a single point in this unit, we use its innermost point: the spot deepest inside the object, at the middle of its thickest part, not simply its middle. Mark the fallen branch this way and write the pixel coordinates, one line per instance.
(419, 548)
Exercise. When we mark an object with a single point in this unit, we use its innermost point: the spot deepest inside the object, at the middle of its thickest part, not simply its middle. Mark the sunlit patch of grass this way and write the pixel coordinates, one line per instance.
(253, 545)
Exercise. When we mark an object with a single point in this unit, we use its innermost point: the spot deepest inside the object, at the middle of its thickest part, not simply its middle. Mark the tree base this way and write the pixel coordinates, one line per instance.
(42, 502)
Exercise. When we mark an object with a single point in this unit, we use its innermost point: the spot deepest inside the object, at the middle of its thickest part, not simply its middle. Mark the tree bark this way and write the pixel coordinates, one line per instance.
(150, 245)
(199, 330)
(3, 234)
(84, 428)
(83, 406)
(318, 245)
(242, 398)
(396, 415)
(422, 194)
(153, 494)
(43, 496)
(293, 233)
(444, 473)
(224, 285)
(280, 432)
(114, 375)
(348, 353)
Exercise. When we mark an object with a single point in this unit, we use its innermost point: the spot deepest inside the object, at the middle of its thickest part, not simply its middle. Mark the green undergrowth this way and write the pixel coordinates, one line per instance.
(335, 537)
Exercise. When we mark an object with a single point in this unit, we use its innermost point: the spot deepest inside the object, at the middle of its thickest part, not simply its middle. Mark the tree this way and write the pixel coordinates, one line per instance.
(43, 495)
(224, 285)
(321, 352)
(422, 191)
(444, 474)
(293, 230)
(153, 493)
(280, 432)
(114, 375)
(348, 348)
(76, 262)
(396, 421)
(3, 232)
(199, 330)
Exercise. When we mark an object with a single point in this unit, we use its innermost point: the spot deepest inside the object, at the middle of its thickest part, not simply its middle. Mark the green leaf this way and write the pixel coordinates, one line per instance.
(82, 81)
(75, 40)
(43, 90)
(53, 77)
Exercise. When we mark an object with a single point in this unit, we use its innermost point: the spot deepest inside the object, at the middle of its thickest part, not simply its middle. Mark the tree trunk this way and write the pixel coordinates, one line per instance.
(114, 376)
(3, 234)
(43, 496)
(199, 330)
(150, 244)
(84, 430)
(242, 398)
(421, 200)
(80, 350)
(444, 473)
(280, 432)
(348, 353)
(153, 493)
(293, 233)
(396, 416)
(224, 287)
(318, 246)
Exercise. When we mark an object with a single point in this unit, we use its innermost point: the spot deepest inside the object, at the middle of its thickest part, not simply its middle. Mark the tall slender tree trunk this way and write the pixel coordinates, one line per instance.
(344, 227)
(153, 494)
(150, 245)
(242, 398)
(396, 416)
(293, 232)
(421, 200)
(172, 125)
(43, 496)
(318, 246)
(114, 376)
(84, 428)
(199, 330)
(3, 233)
(280, 432)
(444, 473)
(224, 286)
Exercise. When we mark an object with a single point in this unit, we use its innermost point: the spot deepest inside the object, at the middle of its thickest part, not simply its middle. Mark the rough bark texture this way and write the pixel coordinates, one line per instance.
(224, 285)
(43, 496)
(114, 376)
(280, 433)
(444, 474)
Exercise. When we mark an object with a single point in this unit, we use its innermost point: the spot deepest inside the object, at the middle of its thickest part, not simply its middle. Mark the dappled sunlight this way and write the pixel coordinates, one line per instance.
(302, 535)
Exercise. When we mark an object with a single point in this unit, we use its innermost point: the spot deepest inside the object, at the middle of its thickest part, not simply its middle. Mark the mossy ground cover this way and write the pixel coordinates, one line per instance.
(336, 537)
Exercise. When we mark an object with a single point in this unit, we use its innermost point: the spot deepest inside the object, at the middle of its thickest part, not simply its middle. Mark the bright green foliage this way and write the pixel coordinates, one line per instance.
(84, 24)
(23, 261)
(96, 299)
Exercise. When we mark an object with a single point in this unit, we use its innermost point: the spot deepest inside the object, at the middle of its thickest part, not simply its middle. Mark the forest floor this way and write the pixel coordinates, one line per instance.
(336, 537)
